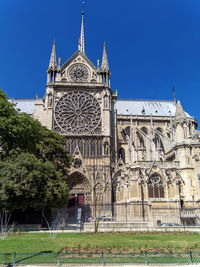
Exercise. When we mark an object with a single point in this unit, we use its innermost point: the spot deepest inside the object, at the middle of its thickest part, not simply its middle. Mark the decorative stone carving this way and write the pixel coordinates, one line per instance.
(106, 149)
(106, 101)
(50, 100)
(78, 112)
(77, 163)
(78, 73)
(78, 183)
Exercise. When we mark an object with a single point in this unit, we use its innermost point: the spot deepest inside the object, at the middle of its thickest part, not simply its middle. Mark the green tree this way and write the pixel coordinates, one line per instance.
(26, 181)
(33, 161)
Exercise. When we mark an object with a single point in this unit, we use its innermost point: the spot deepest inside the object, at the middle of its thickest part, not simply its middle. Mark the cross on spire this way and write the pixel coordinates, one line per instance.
(83, 5)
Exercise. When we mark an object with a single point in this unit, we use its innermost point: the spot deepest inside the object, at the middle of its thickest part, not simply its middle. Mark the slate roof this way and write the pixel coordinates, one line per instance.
(26, 105)
(159, 108)
(146, 107)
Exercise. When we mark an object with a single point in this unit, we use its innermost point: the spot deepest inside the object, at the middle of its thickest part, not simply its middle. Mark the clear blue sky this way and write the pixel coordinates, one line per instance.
(152, 45)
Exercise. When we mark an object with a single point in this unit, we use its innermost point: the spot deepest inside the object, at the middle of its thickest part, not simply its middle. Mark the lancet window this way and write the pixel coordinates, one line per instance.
(122, 154)
(89, 147)
(140, 141)
(144, 130)
(158, 143)
(159, 130)
(126, 133)
(169, 135)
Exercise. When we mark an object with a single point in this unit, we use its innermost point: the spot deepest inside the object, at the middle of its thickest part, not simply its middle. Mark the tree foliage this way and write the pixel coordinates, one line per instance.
(33, 161)
(26, 181)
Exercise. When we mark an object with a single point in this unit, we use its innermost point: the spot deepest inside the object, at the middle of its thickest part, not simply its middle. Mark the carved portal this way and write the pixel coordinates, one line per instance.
(79, 184)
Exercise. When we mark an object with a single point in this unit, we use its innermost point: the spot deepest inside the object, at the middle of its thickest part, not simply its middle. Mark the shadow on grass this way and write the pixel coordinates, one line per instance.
(27, 257)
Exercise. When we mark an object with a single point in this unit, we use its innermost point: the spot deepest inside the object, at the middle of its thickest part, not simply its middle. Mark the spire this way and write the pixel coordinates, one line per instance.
(174, 96)
(81, 42)
(53, 62)
(179, 111)
(104, 64)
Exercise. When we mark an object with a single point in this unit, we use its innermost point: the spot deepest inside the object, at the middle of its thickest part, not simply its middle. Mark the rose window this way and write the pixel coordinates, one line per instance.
(78, 113)
(78, 73)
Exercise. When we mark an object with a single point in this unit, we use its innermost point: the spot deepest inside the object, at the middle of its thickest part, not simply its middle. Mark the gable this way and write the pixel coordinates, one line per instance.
(78, 69)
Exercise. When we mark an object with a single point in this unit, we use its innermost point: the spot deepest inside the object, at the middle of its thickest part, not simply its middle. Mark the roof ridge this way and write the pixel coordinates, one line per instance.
(150, 100)
(28, 98)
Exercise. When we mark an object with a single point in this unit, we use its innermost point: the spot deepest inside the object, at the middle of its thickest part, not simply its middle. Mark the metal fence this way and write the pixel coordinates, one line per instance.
(101, 259)
(137, 212)
(116, 217)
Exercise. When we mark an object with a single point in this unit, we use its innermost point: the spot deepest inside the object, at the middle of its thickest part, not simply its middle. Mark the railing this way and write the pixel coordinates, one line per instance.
(190, 213)
(165, 164)
(101, 259)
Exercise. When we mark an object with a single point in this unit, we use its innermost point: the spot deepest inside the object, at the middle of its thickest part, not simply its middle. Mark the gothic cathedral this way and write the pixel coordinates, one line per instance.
(134, 160)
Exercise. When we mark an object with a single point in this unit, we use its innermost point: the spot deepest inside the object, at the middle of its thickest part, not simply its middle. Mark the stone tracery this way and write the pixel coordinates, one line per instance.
(155, 187)
(89, 147)
(78, 73)
(78, 112)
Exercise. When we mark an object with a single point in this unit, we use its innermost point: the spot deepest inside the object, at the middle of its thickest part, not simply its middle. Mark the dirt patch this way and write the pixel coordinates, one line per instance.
(122, 250)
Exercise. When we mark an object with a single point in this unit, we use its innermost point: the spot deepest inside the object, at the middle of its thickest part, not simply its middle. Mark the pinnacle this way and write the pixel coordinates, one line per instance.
(53, 61)
(104, 65)
(179, 110)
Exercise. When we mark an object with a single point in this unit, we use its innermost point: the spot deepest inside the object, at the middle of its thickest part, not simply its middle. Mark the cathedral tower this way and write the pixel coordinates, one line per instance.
(79, 104)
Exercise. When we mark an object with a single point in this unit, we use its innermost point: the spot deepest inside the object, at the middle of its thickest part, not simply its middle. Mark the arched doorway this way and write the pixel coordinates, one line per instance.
(80, 197)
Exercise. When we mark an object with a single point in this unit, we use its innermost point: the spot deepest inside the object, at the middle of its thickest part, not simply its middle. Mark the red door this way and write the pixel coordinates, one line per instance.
(81, 199)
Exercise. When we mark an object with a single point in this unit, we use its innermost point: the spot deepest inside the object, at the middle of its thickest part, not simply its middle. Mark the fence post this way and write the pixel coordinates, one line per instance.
(14, 258)
(102, 258)
(146, 258)
(58, 259)
(191, 259)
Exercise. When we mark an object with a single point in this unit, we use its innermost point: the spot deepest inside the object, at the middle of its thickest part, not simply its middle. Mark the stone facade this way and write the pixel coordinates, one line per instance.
(138, 159)
(157, 171)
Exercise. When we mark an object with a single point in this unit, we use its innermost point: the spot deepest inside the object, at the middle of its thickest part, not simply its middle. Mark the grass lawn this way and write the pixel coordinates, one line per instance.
(108, 242)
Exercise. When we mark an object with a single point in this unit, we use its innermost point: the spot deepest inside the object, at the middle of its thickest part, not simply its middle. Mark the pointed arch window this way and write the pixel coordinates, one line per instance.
(89, 147)
(159, 130)
(80, 145)
(99, 148)
(155, 187)
(169, 135)
(140, 141)
(93, 147)
(73, 146)
(122, 154)
(127, 131)
(144, 130)
(158, 143)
